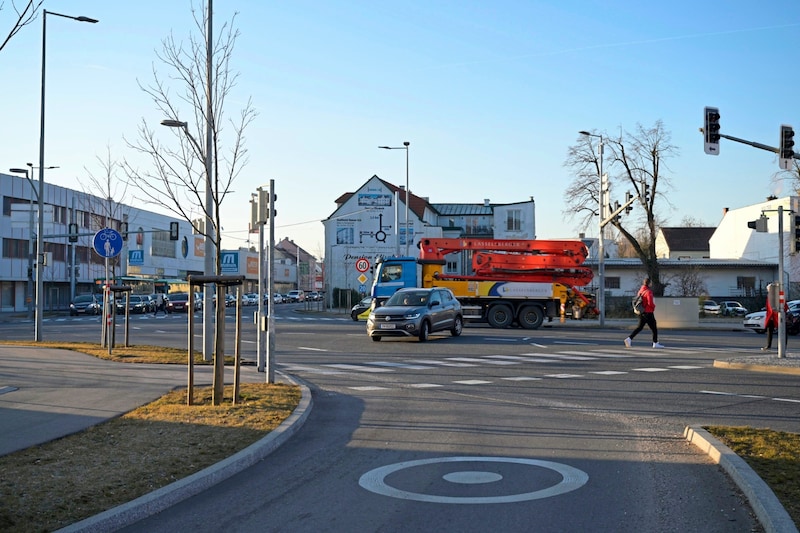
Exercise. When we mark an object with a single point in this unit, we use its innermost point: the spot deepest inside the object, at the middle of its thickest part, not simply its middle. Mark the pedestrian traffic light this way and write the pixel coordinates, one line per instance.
(796, 247)
(786, 150)
(173, 231)
(73, 232)
(711, 130)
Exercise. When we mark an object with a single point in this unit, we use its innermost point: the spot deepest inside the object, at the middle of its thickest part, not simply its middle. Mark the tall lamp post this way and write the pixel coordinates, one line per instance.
(404, 147)
(208, 264)
(40, 225)
(601, 254)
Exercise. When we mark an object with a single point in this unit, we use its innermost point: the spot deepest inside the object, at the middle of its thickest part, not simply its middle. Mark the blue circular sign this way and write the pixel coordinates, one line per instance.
(107, 243)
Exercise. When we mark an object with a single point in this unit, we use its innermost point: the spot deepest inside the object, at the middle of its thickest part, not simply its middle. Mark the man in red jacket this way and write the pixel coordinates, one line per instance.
(647, 317)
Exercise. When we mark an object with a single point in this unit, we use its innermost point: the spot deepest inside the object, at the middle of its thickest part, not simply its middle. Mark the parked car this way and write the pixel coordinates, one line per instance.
(359, 311)
(179, 302)
(85, 304)
(314, 296)
(250, 299)
(277, 298)
(710, 307)
(416, 313)
(730, 308)
(755, 321)
(296, 295)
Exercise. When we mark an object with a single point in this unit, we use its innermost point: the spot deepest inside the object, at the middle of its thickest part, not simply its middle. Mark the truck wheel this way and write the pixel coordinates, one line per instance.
(531, 317)
(458, 327)
(424, 331)
(500, 316)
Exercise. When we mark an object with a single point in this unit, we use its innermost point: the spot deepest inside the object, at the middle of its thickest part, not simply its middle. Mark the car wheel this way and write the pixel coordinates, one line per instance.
(375, 338)
(458, 327)
(424, 331)
(354, 316)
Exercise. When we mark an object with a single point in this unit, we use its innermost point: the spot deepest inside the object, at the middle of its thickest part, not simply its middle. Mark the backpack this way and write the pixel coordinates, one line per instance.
(638, 305)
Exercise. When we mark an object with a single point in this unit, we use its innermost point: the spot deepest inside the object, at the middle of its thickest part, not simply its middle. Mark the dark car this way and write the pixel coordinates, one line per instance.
(86, 304)
(179, 302)
(360, 308)
(416, 313)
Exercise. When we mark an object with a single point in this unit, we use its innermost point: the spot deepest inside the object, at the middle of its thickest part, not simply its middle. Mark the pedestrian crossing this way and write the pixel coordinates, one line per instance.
(532, 365)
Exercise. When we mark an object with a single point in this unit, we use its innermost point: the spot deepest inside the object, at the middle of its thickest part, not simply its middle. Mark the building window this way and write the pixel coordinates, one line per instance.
(15, 248)
(514, 220)
(161, 245)
(451, 267)
(611, 282)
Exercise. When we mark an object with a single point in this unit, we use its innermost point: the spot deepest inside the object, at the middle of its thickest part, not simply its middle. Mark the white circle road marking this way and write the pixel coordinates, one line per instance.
(573, 478)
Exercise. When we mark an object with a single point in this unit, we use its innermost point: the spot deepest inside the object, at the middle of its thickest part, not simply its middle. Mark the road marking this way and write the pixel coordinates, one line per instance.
(608, 372)
(523, 378)
(562, 376)
(311, 349)
(572, 479)
(472, 382)
(359, 368)
(651, 369)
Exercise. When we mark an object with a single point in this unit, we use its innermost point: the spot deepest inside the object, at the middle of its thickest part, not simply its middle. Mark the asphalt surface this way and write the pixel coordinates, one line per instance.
(46, 394)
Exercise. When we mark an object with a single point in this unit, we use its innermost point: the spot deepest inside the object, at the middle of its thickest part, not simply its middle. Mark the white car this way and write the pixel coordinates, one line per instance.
(710, 307)
(731, 308)
(755, 321)
(250, 299)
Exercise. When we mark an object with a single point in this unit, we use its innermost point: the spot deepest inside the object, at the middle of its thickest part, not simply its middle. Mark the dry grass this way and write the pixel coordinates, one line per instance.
(121, 354)
(774, 455)
(50, 486)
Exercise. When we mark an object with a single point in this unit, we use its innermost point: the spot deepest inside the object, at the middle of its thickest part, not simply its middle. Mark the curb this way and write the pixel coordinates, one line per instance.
(769, 510)
(773, 369)
(169, 495)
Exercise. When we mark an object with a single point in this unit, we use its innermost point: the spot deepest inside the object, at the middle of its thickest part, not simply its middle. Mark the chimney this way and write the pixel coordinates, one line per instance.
(725, 211)
(486, 202)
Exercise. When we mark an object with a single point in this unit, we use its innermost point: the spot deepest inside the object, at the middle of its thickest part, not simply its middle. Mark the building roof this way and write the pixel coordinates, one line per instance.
(462, 209)
(687, 239)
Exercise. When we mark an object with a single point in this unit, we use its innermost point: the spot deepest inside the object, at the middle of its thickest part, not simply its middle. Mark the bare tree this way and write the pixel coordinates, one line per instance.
(24, 17)
(634, 163)
(177, 178)
(689, 282)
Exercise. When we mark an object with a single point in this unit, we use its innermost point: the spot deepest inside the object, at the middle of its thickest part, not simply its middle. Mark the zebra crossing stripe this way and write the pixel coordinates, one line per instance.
(359, 368)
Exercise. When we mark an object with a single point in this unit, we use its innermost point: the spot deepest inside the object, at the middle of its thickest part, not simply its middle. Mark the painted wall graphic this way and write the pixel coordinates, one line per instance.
(374, 200)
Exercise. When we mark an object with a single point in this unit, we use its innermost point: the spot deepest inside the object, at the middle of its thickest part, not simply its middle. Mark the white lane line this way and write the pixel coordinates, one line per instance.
(472, 382)
(686, 367)
(399, 365)
(562, 376)
(368, 388)
(359, 368)
(441, 363)
(560, 356)
(425, 385)
(790, 400)
(522, 378)
(311, 349)
(651, 369)
(608, 372)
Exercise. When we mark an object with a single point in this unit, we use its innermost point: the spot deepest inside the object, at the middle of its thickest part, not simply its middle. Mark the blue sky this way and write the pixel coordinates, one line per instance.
(489, 94)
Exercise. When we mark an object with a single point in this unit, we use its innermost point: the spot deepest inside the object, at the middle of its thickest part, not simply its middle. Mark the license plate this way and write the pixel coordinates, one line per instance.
(387, 326)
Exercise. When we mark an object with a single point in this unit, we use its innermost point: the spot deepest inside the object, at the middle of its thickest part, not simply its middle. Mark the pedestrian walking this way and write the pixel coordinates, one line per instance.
(159, 304)
(771, 324)
(647, 317)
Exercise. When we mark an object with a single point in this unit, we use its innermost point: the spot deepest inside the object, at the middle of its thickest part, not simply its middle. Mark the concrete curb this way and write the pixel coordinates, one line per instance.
(773, 369)
(769, 510)
(165, 497)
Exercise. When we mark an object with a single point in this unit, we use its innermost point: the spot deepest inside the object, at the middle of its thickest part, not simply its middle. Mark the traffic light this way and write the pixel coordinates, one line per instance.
(173, 231)
(266, 205)
(786, 151)
(711, 130)
(628, 198)
(123, 230)
(646, 190)
(73, 232)
(760, 224)
(796, 233)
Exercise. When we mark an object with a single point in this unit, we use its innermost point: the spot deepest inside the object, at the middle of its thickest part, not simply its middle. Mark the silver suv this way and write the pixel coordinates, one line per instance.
(416, 313)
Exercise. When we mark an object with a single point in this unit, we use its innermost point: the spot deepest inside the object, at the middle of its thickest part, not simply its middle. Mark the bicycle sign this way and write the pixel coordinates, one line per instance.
(362, 264)
(107, 243)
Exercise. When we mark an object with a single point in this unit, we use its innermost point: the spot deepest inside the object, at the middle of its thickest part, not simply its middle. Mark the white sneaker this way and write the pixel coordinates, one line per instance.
(627, 342)
(657, 345)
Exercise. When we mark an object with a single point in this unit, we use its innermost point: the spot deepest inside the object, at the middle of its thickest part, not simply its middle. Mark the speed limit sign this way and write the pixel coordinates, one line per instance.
(362, 264)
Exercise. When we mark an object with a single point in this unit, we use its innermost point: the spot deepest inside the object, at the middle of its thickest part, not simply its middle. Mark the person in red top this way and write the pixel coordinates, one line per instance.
(647, 317)
(771, 324)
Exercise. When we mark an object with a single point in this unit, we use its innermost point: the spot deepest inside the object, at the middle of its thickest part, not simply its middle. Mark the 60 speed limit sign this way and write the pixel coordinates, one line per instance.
(362, 264)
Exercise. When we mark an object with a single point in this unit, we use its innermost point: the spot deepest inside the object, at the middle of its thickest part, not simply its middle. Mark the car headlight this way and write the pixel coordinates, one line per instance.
(412, 316)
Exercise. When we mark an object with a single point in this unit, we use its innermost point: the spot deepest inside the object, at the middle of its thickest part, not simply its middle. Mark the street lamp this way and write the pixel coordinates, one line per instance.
(404, 147)
(601, 267)
(40, 225)
(208, 264)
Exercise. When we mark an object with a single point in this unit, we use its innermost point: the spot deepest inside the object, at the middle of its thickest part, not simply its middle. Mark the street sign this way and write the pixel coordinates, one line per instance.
(362, 264)
(107, 243)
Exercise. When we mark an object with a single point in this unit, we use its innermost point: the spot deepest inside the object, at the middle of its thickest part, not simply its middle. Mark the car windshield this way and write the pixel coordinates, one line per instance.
(179, 297)
(83, 299)
(408, 298)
